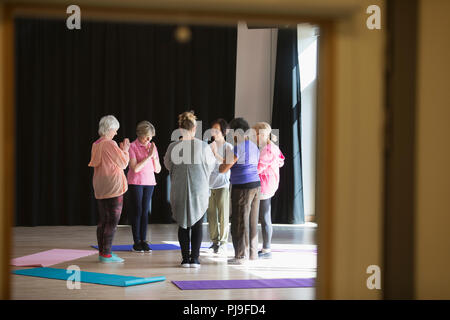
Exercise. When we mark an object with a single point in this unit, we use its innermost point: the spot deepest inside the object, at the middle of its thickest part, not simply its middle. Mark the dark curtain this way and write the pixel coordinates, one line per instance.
(66, 80)
(287, 204)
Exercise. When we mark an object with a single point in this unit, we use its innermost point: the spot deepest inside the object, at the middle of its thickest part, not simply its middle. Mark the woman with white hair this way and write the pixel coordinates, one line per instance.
(144, 163)
(110, 183)
(271, 159)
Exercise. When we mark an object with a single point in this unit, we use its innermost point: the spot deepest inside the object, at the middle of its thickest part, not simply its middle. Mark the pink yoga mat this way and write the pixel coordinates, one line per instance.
(50, 257)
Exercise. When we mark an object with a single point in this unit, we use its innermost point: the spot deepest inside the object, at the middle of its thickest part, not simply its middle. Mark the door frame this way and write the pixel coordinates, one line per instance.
(345, 45)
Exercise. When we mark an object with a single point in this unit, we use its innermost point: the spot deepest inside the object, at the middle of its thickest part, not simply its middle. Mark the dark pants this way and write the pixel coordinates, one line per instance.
(194, 240)
(140, 199)
(244, 222)
(109, 211)
(266, 221)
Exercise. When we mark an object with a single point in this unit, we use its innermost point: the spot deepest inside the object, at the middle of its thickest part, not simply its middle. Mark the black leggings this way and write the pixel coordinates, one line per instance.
(194, 240)
(109, 211)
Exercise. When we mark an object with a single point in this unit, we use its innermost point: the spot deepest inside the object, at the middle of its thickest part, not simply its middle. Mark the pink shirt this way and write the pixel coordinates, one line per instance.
(109, 161)
(270, 161)
(146, 176)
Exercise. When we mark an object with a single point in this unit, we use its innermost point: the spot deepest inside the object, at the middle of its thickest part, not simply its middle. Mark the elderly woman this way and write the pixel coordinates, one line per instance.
(144, 163)
(245, 189)
(190, 162)
(110, 183)
(271, 159)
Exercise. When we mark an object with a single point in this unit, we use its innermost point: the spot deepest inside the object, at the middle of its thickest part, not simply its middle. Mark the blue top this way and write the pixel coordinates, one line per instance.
(245, 170)
(219, 180)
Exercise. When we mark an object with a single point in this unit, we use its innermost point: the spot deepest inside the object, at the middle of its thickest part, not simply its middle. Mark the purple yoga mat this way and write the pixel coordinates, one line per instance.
(245, 284)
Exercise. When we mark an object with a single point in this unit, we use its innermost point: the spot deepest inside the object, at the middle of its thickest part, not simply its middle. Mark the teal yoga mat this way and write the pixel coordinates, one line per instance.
(89, 277)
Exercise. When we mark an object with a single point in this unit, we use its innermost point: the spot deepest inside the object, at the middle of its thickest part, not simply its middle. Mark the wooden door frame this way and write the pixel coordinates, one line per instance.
(326, 169)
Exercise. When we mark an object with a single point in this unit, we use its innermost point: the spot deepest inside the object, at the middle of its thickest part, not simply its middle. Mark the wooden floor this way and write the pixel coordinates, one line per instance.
(28, 240)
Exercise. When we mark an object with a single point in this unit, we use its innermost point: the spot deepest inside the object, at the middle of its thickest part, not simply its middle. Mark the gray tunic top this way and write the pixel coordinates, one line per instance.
(190, 163)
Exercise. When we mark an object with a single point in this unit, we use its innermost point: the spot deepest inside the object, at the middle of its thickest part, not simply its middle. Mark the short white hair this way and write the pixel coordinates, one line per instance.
(106, 124)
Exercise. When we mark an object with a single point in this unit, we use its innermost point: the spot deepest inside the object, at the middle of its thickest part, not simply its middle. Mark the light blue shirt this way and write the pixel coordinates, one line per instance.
(219, 180)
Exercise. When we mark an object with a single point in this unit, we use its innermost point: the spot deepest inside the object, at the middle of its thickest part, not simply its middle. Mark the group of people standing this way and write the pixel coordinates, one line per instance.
(205, 176)
(109, 161)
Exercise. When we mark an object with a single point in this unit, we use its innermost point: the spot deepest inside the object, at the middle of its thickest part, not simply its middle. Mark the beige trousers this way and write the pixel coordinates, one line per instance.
(219, 215)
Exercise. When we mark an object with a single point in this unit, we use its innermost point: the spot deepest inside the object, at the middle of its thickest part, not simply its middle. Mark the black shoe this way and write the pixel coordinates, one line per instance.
(185, 263)
(137, 247)
(214, 247)
(194, 263)
(266, 255)
(145, 247)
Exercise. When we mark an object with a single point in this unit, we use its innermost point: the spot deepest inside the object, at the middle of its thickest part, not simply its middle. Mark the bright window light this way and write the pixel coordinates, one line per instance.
(308, 63)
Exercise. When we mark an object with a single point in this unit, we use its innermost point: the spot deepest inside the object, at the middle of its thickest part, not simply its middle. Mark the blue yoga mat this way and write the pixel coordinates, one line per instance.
(157, 246)
(89, 277)
(129, 247)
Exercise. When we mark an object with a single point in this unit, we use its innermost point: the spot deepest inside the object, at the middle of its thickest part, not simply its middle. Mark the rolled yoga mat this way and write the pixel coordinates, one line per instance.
(88, 277)
(245, 284)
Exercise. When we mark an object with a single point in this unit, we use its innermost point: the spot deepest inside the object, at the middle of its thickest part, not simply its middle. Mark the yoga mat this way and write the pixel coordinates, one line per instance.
(245, 284)
(88, 277)
(295, 250)
(50, 257)
(156, 247)
(167, 246)
(123, 247)
(206, 245)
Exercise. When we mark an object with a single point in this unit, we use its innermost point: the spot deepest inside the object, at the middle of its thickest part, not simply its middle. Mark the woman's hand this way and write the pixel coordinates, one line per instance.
(213, 146)
(151, 151)
(125, 145)
(224, 167)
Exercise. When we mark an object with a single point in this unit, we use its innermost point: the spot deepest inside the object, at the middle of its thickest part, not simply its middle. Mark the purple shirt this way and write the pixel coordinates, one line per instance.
(245, 170)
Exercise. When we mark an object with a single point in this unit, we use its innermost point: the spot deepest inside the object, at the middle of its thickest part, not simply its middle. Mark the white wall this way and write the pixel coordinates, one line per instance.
(255, 72)
(255, 75)
(307, 50)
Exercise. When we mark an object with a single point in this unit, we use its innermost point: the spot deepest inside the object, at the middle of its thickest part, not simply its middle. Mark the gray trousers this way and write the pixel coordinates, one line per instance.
(266, 221)
(244, 222)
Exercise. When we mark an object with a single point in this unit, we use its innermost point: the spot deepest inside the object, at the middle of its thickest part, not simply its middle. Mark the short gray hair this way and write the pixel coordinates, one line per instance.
(145, 128)
(107, 123)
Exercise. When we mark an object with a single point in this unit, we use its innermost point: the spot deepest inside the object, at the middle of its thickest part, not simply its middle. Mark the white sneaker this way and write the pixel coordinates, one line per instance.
(185, 264)
(195, 263)
(237, 262)
(222, 251)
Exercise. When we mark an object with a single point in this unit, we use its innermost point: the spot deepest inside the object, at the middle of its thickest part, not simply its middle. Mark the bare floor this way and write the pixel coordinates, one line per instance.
(293, 263)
